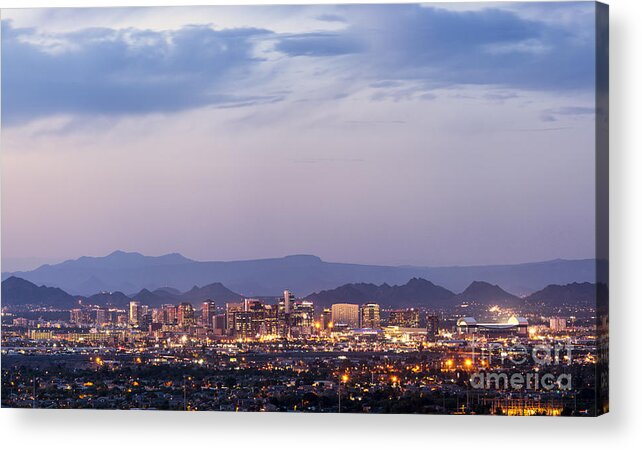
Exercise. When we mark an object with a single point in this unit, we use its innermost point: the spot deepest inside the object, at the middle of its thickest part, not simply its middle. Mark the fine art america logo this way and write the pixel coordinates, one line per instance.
(541, 359)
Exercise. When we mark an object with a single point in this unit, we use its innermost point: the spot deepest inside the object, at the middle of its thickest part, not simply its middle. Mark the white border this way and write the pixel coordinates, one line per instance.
(130, 429)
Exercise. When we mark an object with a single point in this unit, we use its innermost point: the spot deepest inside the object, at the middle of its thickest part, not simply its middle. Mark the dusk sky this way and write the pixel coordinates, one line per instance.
(438, 134)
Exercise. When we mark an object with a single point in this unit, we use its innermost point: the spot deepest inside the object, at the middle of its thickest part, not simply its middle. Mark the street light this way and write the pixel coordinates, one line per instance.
(344, 379)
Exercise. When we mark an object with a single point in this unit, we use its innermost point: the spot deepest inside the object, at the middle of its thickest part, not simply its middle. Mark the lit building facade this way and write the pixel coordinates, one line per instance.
(103, 316)
(515, 326)
(185, 314)
(557, 324)
(302, 318)
(326, 319)
(345, 315)
(168, 315)
(285, 309)
(207, 312)
(370, 316)
(78, 316)
(432, 327)
(404, 318)
(134, 313)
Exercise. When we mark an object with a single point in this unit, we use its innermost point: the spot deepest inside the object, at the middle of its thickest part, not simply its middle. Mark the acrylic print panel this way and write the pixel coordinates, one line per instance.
(340, 208)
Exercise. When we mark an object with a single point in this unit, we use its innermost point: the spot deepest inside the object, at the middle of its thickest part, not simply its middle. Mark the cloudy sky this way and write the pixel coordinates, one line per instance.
(393, 134)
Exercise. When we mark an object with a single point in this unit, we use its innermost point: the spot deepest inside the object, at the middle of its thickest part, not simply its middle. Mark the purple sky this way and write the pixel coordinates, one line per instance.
(425, 135)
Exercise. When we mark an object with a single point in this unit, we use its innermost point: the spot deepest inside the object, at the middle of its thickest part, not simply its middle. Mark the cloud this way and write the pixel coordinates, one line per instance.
(573, 110)
(331, 18)
(403, 51)
(488, 46)
(320, 44)
(552, 115)
(111, 72)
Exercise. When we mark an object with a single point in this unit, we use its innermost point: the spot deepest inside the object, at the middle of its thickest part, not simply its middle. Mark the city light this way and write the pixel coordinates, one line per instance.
(253, 337)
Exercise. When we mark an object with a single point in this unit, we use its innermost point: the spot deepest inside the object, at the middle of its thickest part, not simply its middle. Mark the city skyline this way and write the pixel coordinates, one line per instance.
(222, 356)
(235, 133)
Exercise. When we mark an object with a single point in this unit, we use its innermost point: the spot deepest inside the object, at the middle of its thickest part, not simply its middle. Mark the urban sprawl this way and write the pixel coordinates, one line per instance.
(286, 354)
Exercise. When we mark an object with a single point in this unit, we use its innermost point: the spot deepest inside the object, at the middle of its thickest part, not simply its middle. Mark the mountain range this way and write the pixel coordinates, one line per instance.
(303, 274)
(16, 291)
(572, 292)
(160, 296)
(416, 292)
(420, 292)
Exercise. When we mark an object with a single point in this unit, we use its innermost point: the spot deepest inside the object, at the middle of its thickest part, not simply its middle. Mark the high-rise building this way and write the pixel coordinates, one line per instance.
(256, 309)
(218, 323)
(122, 318)
(345, 315)
(134, 313)
(157, 315)
(247, 319)
(20, 322)
(404, 318)
(169, 315)
(326, 319)
(432, 327)
(243, 324)
(271, 320)
(103, 316)
(557, 324)
(230, 315)
(288, 301)
(285, 308)
(145, 321)
(370, 317)
(302, 318)
(208, 312)
(77, 316)
(185, 314)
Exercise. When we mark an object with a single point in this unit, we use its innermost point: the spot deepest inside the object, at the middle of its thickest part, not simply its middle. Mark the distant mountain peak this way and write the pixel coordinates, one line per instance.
(119, 253)
(303, 258)
(214, 291)
(416, 281)
(484, 292)
(478, 283)
(123, 255)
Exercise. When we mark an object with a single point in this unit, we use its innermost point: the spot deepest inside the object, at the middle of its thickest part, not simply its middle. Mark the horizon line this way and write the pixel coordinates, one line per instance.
(309, 255)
